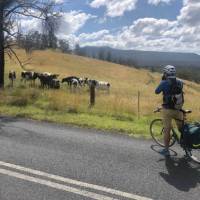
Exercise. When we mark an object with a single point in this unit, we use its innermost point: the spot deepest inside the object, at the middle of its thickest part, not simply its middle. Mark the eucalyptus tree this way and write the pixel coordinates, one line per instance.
(11, 11)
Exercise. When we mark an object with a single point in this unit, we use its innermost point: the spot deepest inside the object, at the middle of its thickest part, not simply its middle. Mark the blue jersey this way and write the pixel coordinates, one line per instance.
(165, 88)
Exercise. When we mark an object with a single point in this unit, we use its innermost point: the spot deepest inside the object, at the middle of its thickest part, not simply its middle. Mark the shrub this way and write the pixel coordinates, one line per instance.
(22, 98)
(19, 101)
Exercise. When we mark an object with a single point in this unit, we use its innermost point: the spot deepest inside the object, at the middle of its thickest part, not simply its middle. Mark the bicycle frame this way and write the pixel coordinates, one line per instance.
(185, 112)
(193, 154)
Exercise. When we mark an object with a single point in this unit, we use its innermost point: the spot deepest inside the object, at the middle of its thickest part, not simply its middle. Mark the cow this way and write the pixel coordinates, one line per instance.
(55, 84)
(99, 85)
(89, 82)
(29, 76)
(71, 81)
(75, 82)
(102, 85)
(49, 80)
(12, 77)
(83, 81)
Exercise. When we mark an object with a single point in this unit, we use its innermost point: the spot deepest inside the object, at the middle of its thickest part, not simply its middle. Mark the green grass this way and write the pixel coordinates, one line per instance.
(133, 126)
(66, 108)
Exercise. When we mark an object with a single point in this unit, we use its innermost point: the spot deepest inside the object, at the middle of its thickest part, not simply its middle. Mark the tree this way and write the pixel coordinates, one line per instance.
(101, 54)
(109, 57)
(77, 49)
(64, 46)
(2, 41)
(50, 25)
(10, 12)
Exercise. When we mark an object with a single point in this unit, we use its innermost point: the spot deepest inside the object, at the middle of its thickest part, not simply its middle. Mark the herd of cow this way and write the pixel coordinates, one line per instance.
(49, 80)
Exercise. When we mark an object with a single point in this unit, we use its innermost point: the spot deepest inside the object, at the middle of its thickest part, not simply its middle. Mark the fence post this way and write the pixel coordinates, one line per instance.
(92, 94)
(138, 104)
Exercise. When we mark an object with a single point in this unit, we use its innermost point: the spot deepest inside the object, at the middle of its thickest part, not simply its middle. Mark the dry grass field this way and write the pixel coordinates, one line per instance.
(117, 109)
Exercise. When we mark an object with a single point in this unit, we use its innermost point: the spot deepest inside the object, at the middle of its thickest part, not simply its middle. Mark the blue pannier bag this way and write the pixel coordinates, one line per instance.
(191, 135)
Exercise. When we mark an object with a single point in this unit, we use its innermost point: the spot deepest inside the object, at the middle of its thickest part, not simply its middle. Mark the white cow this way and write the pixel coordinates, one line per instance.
(102, 85)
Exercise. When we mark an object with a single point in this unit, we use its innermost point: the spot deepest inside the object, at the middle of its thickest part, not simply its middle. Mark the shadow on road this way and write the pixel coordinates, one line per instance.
(157, 149)
(9, 130)
(6, 120)
(181, 174)
(18, 133)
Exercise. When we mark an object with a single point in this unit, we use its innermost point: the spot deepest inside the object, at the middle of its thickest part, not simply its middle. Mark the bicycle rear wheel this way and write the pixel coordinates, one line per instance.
(157, 133)
(193, 154)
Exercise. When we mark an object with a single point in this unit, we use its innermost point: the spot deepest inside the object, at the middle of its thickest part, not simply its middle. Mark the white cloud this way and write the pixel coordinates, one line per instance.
(115, 8)
(71, 22)
(31, 24)
(156, 2)
(190, 13)
(93, 36)
(59, 1)
(151, 27)
(148, 34)
(182, 34)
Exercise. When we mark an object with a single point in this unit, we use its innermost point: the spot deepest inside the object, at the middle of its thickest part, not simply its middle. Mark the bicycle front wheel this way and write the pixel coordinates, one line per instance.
(193, 154)
(157, 133)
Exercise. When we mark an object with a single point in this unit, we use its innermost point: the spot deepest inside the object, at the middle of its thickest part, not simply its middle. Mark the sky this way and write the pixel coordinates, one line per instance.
(158, 25)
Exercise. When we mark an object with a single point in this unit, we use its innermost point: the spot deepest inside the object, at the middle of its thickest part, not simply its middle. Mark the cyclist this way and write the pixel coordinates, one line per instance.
(169, 110)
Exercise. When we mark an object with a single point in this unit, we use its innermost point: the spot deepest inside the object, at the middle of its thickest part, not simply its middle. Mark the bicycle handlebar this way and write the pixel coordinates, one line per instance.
(184, 111)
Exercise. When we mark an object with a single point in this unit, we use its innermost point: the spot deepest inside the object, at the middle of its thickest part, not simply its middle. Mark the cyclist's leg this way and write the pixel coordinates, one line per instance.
(167, 124)
(179, 116)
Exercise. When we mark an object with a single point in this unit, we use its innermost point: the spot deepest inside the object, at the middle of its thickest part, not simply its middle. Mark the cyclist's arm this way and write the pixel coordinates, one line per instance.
(159, 89)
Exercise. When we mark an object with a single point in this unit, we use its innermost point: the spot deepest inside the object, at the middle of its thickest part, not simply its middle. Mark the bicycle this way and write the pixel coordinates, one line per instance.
(157, 130)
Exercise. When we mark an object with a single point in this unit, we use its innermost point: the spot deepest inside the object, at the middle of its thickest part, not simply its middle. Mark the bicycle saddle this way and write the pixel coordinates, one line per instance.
(186, 111)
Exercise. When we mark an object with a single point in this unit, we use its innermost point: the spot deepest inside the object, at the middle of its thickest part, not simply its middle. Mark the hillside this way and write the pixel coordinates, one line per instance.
(117, 110)
(148, 58)
(123, 79)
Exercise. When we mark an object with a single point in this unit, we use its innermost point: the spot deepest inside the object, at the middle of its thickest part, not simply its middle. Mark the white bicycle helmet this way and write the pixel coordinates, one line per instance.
(170, 71)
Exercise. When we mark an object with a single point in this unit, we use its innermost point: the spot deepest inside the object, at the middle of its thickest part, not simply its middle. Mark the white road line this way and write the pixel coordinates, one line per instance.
(74, 182)
(56, 185)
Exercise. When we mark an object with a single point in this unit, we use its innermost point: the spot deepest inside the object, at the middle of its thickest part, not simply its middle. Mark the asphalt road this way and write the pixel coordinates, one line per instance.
(44, 161)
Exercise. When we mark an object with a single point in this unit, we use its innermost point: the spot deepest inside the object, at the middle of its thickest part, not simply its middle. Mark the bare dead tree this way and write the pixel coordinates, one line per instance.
(50, 26)
(10, 12)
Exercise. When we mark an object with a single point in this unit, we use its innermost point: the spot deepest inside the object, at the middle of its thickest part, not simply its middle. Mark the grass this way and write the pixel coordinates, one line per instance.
(116, 111)
(133, 127)
(66, 108)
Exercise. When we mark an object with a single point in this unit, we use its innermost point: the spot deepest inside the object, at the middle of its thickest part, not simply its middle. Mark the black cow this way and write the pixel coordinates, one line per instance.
(71, 81)
(12, 77)
(49, 80)
(55, 84)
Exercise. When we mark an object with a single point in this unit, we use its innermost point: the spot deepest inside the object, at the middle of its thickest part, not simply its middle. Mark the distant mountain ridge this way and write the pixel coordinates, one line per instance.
(146, 58)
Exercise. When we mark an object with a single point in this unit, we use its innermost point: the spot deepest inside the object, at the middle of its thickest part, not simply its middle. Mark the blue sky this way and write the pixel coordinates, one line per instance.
(168, 11)
(160, 25)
